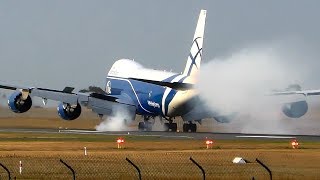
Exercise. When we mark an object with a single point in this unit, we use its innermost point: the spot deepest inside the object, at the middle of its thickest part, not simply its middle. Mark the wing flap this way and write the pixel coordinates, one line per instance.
(55, 95)
(100, 106)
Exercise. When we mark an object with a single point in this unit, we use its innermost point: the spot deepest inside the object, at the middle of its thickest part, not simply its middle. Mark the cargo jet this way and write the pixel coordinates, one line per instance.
(132, 89)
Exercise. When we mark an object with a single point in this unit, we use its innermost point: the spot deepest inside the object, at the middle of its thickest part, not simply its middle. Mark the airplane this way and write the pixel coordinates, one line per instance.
(135, 90)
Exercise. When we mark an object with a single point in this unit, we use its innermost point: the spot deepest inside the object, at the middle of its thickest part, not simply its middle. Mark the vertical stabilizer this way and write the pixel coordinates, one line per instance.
(195, 54)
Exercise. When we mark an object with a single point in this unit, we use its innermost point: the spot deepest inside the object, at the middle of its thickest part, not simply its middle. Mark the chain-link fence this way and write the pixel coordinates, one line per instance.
(216, 164)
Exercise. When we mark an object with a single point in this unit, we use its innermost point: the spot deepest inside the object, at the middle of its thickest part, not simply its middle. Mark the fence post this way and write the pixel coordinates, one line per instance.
(5, 168)
(266, 167)
(200, 167)
(70, 168)
(135, 166)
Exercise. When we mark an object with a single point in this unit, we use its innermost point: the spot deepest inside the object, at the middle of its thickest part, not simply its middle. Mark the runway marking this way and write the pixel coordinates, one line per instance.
(270, 137)
(122, 134)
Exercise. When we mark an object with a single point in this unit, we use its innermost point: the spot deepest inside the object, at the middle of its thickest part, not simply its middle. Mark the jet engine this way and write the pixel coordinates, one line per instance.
(295, 109)
(18, 104)
(69, 112)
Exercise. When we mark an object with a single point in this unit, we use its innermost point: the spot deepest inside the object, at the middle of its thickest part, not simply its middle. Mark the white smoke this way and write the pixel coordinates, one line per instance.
(241, 83)
(117, 122)
(158, 124)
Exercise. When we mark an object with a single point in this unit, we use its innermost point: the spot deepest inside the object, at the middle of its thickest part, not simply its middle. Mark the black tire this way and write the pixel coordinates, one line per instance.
(185, 128)
(174, 127)
(193, 127)
(141, 126)
(166, 127)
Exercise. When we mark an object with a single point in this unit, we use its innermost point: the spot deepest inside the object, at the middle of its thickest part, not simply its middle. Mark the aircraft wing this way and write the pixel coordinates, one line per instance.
(66, 95)
(99, 103)
(305, 92)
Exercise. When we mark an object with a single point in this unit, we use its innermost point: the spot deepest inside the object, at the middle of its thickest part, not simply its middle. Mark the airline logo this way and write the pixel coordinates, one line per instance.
(153, 104)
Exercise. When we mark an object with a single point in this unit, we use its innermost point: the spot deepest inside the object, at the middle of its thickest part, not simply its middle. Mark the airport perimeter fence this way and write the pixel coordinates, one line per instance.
(163, 165)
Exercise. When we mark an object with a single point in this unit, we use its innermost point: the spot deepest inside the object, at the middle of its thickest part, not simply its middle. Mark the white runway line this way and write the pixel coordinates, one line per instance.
(121, 134)
(270, 137)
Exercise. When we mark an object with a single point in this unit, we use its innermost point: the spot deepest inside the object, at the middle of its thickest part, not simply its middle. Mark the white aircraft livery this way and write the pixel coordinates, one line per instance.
(137, 90)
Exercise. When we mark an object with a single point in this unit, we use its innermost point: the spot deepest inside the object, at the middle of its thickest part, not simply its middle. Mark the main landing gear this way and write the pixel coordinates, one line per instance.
(189, 127)
(146, 125)
(170, 126)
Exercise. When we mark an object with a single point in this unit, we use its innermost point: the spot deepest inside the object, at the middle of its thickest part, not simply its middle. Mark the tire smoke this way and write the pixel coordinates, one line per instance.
(117, 122)
(243, 82)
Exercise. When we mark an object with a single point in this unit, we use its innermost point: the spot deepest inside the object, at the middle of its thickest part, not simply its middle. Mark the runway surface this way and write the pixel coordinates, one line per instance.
(173, 135)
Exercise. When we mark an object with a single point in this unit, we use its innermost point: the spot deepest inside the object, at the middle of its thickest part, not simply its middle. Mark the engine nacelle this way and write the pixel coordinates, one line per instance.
(69, 112)
(18, 104)
(295, 109)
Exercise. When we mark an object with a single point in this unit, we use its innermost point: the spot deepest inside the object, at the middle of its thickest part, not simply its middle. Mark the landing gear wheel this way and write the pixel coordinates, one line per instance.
(189, 127)
(193, 127)
(174, 127)
(171, 127)
(141, 126)
(166, 127)
(185, 128)
(145, 126)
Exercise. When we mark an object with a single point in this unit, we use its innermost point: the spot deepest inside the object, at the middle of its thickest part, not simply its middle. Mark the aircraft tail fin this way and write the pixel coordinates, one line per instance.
(195, 54)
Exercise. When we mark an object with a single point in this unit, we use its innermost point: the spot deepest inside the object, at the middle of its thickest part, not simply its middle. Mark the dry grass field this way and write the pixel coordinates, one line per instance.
(157, 158)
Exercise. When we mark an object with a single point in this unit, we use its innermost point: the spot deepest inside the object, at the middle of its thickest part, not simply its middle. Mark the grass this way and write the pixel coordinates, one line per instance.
(157, 158)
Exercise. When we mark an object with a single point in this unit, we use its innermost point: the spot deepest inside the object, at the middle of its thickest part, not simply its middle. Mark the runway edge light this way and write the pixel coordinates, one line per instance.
(295, 144)
(120, 142)
(209, 143)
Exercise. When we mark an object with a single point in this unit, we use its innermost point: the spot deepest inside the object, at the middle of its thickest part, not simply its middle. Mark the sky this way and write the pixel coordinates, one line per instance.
(54, 44)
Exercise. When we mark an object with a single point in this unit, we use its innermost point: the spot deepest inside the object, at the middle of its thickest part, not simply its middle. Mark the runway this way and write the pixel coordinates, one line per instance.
(172, 135)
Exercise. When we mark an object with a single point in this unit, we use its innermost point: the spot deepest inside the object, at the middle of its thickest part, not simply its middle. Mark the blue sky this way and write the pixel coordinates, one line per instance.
(58, 43)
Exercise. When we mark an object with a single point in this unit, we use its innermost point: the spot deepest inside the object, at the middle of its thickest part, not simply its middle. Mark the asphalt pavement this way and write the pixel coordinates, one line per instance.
(173, 135)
